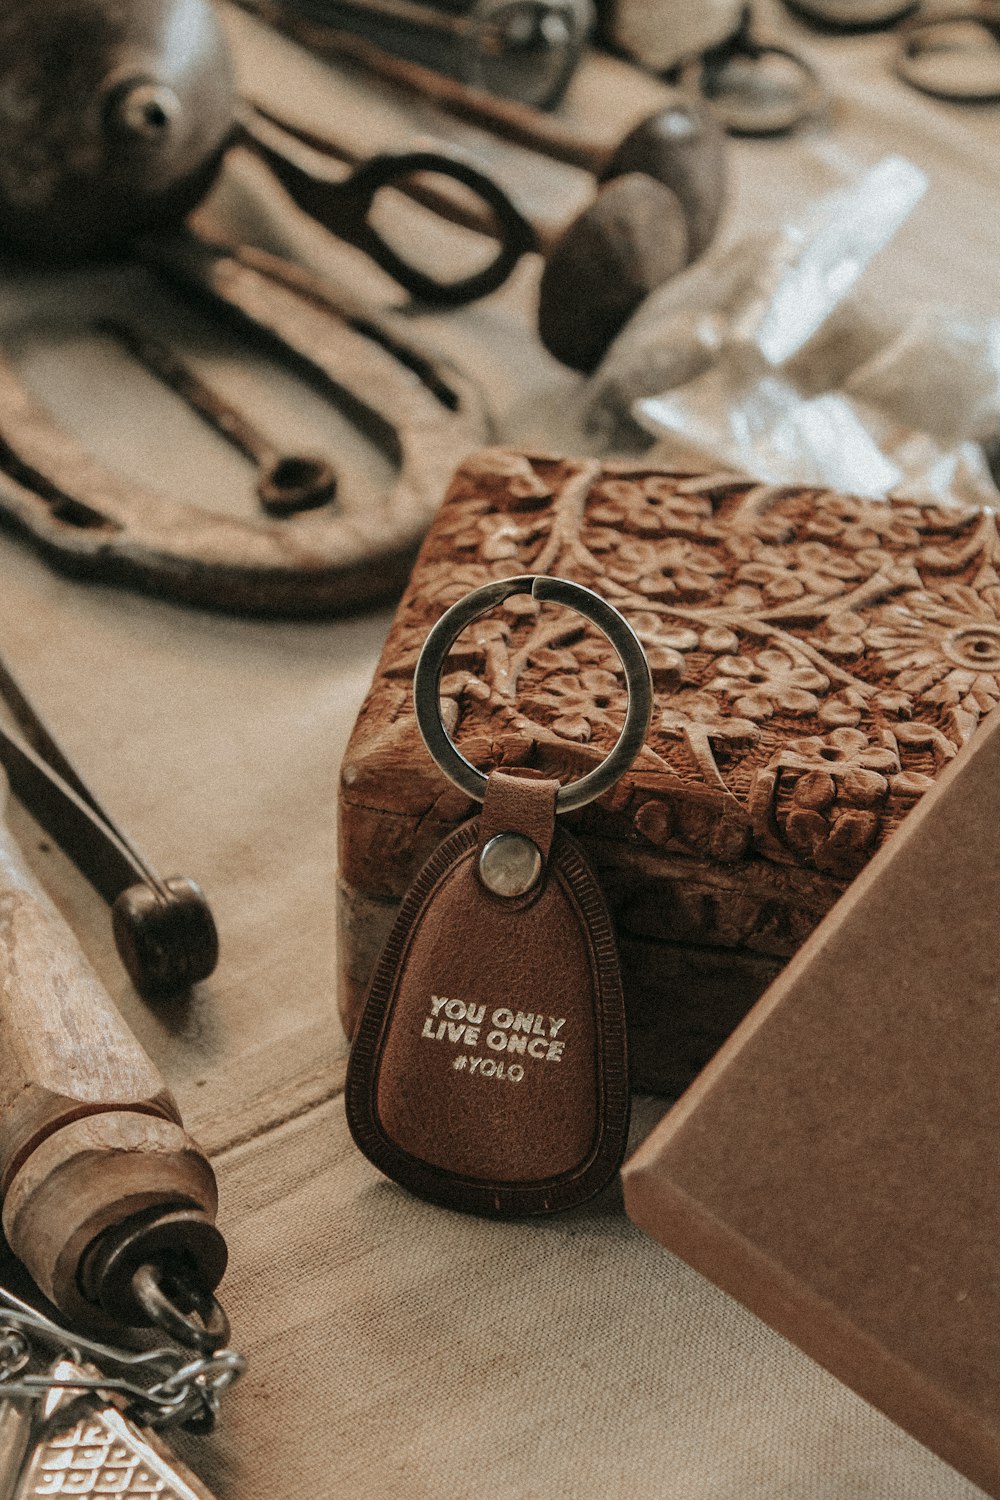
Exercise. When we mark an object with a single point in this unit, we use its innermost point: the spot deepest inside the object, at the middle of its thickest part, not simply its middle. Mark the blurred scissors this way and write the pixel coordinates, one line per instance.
(341, 200)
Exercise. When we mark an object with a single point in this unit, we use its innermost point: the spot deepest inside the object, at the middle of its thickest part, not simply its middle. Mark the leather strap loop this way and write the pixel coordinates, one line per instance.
(519, 804)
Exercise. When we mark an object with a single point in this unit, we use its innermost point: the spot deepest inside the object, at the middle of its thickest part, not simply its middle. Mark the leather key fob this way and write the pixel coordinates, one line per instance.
(489, 1070)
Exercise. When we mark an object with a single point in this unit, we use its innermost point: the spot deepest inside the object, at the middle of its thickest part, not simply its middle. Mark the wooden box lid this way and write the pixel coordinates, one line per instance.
(818, 660)
(836, 1166)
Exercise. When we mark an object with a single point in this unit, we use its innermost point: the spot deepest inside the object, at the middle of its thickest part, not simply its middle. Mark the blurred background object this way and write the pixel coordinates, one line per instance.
(661, 33)
(108, 115)
(520, 49)
(755, 87)
(953, 54)
(853, 15)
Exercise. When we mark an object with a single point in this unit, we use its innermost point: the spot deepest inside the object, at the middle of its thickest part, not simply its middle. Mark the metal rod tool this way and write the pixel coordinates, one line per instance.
(286, 482)
(163, 927)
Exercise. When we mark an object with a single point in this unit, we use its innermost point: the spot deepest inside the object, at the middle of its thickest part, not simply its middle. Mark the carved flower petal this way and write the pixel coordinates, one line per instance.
(681, 640)
(754, 706)
(734, 666)
(784, 586)
(864, 787)
(911, 784)
(846, 622)
(854, 831)
(795, 701)
(843, 645)
(744, 597)
(811, 748)
(877, 759)
(573, 727)
(775, 662)
(807, 830)
(599, 682)
(808, 677)
(816, 790)
(848, 742)
(718, 638)
(837, 714)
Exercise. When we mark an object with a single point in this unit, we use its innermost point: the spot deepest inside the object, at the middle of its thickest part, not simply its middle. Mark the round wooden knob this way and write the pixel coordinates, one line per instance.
(684, 147)
(631, 239)
(91, 1176)
(166, 937)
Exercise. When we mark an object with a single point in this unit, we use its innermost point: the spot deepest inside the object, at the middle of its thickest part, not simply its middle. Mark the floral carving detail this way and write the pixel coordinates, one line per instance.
(944, 647)
(580, 702)
(771, 681)
(842, 751)
(788, 573)
(816, 658)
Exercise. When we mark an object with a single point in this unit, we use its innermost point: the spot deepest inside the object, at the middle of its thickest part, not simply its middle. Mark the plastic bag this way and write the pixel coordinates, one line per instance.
(767, 358)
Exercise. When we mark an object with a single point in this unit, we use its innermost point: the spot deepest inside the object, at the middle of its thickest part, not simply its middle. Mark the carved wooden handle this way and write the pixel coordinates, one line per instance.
(89, 1134)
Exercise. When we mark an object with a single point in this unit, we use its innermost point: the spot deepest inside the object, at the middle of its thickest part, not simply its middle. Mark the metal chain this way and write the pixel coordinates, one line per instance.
(180, 1389)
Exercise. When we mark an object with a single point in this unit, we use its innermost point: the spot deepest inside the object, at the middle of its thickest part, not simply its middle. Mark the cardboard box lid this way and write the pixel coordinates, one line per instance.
(837, 1166)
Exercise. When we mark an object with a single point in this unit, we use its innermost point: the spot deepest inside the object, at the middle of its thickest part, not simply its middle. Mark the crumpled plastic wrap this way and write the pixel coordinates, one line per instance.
(768, 358)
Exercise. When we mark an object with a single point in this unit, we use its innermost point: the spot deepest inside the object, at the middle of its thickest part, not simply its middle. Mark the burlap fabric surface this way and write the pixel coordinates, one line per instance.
(395, 1349)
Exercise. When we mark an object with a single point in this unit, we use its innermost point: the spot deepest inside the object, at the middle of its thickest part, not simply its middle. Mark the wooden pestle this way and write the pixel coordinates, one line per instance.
(91, 1142)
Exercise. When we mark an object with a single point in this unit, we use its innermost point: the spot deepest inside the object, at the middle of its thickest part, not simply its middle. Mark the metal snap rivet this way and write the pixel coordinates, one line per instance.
(510, 864)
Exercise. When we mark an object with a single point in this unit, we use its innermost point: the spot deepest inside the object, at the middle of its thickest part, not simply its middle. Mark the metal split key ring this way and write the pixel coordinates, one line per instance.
(638, 682)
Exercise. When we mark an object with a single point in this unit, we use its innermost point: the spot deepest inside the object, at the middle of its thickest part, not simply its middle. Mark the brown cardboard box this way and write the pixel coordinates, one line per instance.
(817, 661)
(837, 1166)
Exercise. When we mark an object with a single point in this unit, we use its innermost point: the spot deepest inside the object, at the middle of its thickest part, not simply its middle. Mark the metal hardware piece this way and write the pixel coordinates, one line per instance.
(149, 143)
(343, 204)
(93, 522)
(521, 49)
(163, 928)
(286, 482)
(592, 607)
(680, 145)
(510, 864)
(169, 1302)
(164, 1386)
(953, 53)
(756, 88)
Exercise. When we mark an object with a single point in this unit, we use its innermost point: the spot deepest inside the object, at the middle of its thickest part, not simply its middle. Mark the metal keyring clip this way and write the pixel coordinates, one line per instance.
(546, 590)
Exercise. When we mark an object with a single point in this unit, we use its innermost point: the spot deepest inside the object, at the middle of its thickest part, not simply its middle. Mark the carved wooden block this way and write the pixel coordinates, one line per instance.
(818, 659)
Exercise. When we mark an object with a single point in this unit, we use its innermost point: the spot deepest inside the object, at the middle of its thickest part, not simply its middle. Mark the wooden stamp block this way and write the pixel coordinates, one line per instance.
(818, 660)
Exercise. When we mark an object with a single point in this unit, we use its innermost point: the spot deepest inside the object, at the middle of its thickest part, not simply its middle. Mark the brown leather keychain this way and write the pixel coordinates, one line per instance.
(489, 1071)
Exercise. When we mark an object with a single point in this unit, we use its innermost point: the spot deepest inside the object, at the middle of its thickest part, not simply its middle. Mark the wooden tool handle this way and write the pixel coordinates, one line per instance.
(89, 1134)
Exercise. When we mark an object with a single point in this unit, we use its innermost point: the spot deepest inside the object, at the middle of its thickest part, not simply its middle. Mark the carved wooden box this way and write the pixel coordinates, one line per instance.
(818, 660)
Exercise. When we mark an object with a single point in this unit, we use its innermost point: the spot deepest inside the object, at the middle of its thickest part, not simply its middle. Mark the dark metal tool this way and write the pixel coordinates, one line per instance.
(659, 196)
(422, 416)
(286, 482)
(341, 200)
(163, 928)
(680, 145)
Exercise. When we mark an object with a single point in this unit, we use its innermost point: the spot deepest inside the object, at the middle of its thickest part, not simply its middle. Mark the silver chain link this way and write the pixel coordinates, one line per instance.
(177, 1388)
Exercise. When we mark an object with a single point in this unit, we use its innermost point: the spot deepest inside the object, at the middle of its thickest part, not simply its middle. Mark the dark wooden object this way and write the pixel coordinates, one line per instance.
(836, 1167)
(818, 661)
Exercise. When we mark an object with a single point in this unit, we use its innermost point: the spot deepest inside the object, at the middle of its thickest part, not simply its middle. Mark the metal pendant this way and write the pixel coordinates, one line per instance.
(86, 1445)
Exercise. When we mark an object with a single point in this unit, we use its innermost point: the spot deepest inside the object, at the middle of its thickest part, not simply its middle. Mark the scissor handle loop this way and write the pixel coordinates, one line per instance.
(514, 232)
